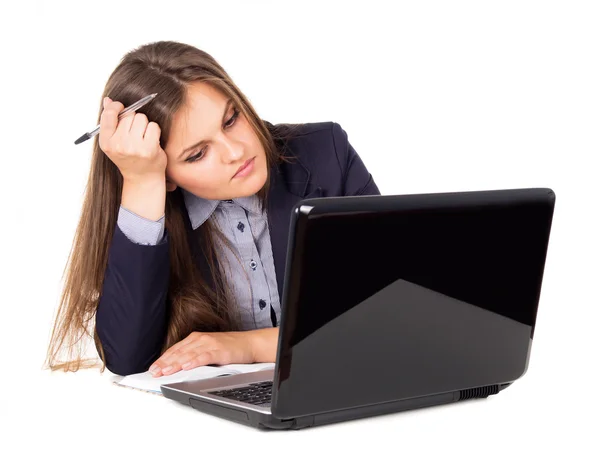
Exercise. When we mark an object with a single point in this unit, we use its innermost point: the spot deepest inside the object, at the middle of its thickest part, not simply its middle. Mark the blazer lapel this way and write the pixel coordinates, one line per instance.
(288, 185)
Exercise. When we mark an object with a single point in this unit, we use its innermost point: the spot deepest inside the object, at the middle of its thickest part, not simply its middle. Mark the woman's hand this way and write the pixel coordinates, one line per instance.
(219, 348)
(132, 143)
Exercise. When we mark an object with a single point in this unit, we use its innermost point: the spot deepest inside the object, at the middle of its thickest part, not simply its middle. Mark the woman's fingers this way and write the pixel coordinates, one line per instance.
(189, 361)
(170, 354)
(132, 143)
(152, 132)
(138, 125)
(174, 364)
(191, 343)
(177, 347)
(123, 131)
(204, 358)
(108, 122)
(182, 353)
(186, 361)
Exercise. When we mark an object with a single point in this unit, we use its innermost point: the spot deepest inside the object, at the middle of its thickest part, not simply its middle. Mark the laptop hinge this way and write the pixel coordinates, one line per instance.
(479, 392)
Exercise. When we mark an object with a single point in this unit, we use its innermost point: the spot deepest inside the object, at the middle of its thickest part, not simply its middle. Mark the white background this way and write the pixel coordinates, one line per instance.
(435, 96)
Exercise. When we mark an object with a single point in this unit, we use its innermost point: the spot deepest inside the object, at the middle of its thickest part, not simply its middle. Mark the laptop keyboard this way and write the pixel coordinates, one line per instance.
(257, 393)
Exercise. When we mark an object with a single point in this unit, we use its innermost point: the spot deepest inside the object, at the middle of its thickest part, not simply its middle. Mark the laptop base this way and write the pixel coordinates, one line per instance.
(268, 421)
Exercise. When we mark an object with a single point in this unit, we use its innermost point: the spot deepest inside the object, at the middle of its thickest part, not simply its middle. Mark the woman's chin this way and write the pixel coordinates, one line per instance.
(252, 183)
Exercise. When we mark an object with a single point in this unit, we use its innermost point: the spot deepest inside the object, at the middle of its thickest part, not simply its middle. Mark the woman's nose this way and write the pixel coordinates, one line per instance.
(232, 152)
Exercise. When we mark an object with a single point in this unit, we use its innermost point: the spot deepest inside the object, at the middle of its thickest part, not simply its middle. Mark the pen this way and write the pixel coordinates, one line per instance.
(133, 107)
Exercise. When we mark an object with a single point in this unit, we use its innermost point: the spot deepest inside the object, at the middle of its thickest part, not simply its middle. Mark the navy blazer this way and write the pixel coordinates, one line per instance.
(132, 310)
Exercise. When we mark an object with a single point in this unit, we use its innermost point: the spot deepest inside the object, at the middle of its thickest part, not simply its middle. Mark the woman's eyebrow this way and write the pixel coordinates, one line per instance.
(203, 141)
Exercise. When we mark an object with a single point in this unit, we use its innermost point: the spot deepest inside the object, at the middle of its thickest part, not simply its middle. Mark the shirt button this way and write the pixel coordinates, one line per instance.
(253, 265)
(241, 226)
(262, 304)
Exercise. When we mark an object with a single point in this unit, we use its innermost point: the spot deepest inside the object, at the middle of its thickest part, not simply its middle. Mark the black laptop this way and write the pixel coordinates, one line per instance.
(395, 302)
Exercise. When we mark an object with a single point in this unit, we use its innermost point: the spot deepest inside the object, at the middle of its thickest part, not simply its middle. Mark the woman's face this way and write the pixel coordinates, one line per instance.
(208, 143)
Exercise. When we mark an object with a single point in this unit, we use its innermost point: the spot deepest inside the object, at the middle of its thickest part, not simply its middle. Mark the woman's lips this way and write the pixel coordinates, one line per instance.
(245, 168)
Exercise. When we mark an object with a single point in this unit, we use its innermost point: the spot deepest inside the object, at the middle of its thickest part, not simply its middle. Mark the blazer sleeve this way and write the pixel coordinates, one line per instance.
(357, 180)
(131, 314)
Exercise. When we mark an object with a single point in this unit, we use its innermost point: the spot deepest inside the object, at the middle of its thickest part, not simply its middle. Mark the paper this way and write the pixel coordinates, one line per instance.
(146, 382)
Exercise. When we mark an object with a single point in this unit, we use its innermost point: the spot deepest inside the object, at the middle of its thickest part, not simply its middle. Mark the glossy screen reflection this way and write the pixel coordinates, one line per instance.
(443, 297)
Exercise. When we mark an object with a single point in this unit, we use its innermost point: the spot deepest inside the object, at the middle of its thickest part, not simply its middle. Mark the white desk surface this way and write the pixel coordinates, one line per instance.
(86, 408)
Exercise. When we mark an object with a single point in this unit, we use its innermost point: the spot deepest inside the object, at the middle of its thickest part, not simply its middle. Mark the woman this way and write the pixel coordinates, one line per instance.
(180, 251)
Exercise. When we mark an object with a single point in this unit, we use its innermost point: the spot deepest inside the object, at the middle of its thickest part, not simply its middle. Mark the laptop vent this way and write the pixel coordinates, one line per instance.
(479, 392)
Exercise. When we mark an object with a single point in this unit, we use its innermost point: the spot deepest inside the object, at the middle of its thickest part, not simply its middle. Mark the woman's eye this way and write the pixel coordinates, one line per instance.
(196, 156)
(231, 121)
(228, 124)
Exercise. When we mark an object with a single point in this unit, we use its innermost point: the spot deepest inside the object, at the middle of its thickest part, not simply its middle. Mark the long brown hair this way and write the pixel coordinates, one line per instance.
(167, 68)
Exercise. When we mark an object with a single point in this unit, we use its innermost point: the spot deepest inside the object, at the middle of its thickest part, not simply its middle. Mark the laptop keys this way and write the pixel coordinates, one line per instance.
(257, 393)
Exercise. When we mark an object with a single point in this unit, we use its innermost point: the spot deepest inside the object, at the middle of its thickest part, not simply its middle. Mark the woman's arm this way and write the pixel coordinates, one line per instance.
(131, 315)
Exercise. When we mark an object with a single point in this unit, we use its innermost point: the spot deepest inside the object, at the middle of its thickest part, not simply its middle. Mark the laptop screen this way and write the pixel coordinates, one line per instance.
(412, 295)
